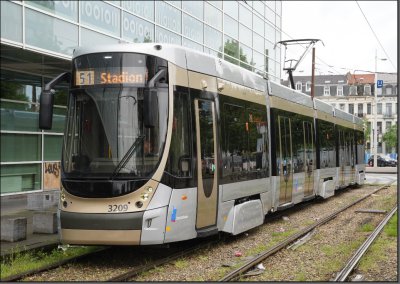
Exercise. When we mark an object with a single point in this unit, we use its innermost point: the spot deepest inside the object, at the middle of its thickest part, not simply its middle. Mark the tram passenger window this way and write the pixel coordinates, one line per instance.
(257, 137)
(234, 134)
(360, 147)
(298, 145)
(179, 161)
(326, 139)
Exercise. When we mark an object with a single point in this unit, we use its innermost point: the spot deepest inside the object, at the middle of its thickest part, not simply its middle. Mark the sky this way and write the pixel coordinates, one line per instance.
(349, 43)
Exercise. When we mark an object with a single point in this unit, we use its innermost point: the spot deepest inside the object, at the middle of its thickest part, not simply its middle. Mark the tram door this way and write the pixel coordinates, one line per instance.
(285, 160)
(309, 159)
(207, 170)
(342, 157)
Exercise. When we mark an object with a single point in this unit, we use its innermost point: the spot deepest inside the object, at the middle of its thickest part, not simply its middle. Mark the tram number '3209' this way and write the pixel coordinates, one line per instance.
(117, 208)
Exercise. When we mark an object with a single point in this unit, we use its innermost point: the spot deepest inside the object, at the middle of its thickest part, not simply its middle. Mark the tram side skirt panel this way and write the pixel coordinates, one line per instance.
(154, 218)
(181, 218)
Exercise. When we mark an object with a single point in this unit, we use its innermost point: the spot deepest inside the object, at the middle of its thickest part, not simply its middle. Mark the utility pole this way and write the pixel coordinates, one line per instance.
(313, 73)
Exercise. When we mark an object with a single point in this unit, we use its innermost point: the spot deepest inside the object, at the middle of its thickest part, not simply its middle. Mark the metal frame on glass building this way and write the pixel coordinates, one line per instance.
(38, 39)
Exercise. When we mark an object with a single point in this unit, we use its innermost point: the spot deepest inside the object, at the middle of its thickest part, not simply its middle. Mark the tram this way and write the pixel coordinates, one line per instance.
(164, 144)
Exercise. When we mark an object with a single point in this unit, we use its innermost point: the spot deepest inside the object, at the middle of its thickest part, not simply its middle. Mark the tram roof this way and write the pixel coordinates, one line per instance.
(185, 58)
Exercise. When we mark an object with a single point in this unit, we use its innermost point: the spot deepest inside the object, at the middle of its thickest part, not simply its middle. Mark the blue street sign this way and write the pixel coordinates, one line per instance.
(379, 83)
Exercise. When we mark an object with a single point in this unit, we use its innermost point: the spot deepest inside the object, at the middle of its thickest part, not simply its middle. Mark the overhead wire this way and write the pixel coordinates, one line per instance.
(376, 37)
(332, 67)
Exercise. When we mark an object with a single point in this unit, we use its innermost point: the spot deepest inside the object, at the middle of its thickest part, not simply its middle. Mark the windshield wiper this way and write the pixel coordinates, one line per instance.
(127, 156)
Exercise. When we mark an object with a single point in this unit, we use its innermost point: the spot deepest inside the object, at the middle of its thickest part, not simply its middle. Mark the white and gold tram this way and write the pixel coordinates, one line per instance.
(164, 144)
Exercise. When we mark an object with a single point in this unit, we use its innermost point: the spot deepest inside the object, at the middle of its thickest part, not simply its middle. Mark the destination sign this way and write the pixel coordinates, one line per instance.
(110, 76)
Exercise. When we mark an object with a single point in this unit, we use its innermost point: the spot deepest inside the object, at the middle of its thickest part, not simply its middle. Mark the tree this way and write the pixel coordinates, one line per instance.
(390, 137)
(367, 131)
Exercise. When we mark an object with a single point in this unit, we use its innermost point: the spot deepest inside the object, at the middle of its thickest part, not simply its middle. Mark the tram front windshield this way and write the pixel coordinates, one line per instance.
(105, 135)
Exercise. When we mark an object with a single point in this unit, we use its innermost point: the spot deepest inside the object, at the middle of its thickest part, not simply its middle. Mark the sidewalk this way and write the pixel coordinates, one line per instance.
(13, 206)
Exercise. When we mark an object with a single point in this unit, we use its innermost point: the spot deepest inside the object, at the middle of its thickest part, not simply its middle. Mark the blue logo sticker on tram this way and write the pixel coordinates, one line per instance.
(173, 217)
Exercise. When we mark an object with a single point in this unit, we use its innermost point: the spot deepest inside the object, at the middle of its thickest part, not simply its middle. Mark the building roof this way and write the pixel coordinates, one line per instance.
(388, 78)
(320, 79)
(360, 78)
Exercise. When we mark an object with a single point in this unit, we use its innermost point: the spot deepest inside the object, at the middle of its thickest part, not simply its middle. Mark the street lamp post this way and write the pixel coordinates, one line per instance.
(375, 142)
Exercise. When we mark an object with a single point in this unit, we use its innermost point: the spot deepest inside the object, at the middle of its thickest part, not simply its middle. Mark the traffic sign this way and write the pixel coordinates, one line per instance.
(379, 83)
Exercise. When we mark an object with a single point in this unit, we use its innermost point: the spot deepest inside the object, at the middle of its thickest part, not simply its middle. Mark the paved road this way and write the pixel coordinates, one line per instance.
(375, 178)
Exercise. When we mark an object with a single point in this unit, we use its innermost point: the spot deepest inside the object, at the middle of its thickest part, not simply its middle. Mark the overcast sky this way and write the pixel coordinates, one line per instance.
(349, 42)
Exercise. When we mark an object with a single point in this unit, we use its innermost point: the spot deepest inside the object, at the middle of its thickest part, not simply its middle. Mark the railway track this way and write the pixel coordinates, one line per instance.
(354, 260)
(190, 249)
(262, 256)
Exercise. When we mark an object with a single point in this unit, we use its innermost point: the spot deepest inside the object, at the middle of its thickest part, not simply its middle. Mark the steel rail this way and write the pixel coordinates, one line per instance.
(353, 261)
(262, 256)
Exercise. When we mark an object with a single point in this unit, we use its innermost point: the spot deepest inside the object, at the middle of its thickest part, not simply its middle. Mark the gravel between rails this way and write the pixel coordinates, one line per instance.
(307, 263)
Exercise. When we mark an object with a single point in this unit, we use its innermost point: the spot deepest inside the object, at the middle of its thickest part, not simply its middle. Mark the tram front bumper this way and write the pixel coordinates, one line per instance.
(101, 228)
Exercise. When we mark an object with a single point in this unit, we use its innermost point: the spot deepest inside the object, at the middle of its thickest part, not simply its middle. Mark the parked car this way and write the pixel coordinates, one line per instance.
(382, 161)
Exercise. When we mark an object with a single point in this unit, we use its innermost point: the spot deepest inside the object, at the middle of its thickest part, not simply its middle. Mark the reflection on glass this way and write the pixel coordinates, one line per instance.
(11, 21)
(67, 9)
(245, 35)
(212, 38)
(192, 44)
(231, 48)
(258, 25)
(140, 8)
(17, 178)
(137, 30)
(192, 28)
(258, 43)
(231, 8)
(89, 37)
(52, 144)
(162, 35)
(194, 7)
(50, 33)
(231, 27)
(212, 16)
(168, 16)
(245, 16)
(100, 15)
(20, 147)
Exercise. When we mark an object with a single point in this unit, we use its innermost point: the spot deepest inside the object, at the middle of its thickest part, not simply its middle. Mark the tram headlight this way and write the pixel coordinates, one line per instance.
(144, 196)
(150, 189)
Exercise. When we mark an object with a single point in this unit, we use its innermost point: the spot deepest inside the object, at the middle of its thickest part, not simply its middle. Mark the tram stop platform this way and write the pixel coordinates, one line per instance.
(28, 221)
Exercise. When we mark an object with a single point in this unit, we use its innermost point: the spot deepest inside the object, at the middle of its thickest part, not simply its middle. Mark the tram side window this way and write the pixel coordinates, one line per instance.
(256, 126)
(360, 147)
(179, 162)
(298, 144)
(234, 134)
(326, 137)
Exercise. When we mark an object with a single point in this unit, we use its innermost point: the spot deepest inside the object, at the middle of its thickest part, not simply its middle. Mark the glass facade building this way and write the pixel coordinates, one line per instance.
(38, 39)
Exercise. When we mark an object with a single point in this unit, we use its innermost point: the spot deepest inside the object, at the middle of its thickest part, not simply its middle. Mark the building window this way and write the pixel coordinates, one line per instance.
(339, 90)
(360, 109)
(379, 126)
(308, 86)
(379, 108)
(341, 106)
(388, 125)
(367, 90)
(299, 86)
(369, 108)
(327, 91)
(351, 108)
(389, 90)
(389, 109)
(353, 90)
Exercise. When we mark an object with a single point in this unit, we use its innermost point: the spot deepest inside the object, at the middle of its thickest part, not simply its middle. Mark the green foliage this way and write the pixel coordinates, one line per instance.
(367, 227)
(391, 227)
(367, 131)
(12, 91)
(26, 261)
(390, 137)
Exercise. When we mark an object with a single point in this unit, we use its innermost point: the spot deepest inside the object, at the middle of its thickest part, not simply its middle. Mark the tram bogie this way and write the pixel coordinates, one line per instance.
(164, 144)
